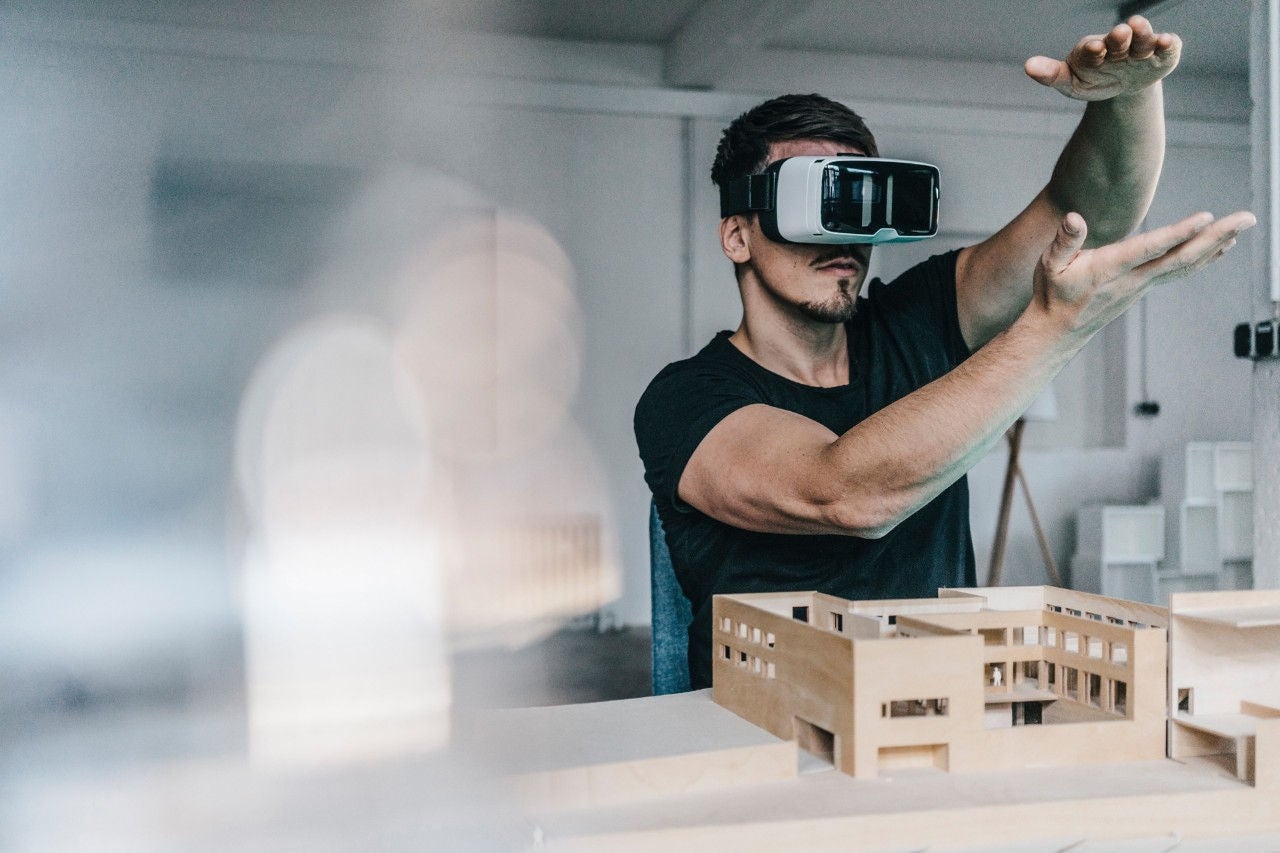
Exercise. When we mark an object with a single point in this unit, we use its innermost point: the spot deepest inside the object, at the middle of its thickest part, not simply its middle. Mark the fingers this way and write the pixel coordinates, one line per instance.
(1118, 41)
(1149, 246)
(1047, 72)
(1209, 243)
(1132, 39)
(1136, 39)
(1091, 52)
(1226, 247)
(1066, 244)
(1143, 45)
(1168, 46)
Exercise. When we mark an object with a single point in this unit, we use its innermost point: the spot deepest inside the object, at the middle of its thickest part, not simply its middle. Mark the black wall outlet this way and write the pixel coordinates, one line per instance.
(1256, 341)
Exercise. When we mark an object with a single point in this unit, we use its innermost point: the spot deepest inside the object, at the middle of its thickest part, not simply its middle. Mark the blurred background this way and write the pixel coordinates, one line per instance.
(326, 322)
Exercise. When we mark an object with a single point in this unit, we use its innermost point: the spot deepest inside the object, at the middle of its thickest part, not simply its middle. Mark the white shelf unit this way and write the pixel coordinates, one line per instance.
(1199, 473)
(1215, 531)
(1235, 526)
(1233, 466)
(1198, 538)
(1118, 550)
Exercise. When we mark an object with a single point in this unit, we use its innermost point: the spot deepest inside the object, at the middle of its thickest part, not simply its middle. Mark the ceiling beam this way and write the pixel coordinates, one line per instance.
(705, 48)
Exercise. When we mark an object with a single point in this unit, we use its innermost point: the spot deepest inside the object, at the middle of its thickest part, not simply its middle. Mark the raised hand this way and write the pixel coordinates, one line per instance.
(1129, 58)
(1085, 289)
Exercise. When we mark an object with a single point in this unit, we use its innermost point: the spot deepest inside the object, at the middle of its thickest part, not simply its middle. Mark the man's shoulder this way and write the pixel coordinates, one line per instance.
(934, 271)
(683, 403)
(718, 361)
(716, 377)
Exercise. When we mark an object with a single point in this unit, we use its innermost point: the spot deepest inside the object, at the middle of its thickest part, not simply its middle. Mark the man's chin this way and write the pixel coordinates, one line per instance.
(835, 311)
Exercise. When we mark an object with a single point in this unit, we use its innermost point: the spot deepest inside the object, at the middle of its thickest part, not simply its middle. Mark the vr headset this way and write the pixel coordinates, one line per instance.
(839, 199)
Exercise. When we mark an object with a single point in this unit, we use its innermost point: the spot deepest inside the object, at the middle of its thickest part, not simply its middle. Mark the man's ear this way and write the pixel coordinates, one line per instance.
(735, 238)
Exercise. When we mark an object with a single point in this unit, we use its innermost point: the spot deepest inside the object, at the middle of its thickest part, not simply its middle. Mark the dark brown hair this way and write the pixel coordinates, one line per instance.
(744, 146)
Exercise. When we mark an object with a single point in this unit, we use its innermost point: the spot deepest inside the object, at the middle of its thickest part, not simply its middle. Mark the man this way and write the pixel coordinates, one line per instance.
(823, 444)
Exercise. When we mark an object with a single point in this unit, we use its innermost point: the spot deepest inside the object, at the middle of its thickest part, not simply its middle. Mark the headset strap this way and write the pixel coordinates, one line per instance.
(747, 194)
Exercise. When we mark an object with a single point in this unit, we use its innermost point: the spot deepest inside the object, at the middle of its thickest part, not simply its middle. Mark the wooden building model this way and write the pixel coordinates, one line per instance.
(1108, 725)
(1001, 678)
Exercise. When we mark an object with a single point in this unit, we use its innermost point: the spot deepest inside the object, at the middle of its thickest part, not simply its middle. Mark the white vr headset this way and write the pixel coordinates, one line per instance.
(839, 199)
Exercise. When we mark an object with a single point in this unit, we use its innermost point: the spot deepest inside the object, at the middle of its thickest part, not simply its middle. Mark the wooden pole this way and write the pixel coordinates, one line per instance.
(1006, 504)
(1051, 565)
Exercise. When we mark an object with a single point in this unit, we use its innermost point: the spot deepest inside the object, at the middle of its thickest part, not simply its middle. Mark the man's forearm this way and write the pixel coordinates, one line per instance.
(1109, 168)
(907, 453)
(1107, 172)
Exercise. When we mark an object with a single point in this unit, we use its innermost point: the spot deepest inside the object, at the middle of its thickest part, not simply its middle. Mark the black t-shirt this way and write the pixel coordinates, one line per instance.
(903, 336)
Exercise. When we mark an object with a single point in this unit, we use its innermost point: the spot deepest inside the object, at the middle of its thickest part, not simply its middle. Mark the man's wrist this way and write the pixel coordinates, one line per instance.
(1043, 332)
(1129, 101)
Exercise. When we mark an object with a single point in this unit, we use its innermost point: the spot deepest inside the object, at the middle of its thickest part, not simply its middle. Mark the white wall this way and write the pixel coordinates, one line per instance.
(120, 391)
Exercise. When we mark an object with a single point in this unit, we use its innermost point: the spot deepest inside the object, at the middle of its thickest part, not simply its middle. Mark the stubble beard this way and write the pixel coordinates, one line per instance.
(840, 308)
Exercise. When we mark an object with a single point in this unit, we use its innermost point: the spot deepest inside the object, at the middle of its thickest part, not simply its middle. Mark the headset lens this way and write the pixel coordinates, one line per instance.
(862, 198)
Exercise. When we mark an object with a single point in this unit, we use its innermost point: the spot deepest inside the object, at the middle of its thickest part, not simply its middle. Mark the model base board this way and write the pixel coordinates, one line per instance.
(1166, 803)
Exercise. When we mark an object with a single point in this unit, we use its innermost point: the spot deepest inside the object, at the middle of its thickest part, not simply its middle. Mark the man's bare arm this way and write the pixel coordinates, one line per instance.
(1107, 172)
(766, 469)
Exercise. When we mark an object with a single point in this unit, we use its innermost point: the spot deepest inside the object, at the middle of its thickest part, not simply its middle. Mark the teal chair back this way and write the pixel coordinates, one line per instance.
(671, 615)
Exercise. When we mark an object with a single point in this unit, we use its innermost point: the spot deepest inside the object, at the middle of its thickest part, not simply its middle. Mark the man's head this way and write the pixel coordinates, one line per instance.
(819, 282)
(744, 146)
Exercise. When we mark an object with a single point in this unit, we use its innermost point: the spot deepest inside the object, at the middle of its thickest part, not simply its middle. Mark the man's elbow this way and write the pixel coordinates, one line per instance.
(1107, 223)
(863, 519)
(1108, 231)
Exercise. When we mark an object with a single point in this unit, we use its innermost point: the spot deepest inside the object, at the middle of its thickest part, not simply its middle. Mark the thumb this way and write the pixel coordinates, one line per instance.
(1046, 71)
(1066, 243)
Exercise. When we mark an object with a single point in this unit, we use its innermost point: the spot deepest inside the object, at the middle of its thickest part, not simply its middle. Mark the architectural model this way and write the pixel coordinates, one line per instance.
(1033, 716)
(1003, 678)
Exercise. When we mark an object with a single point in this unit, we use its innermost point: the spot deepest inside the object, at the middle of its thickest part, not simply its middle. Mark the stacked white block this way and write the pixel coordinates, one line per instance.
(1199, 553)
(1211, 546)
(1118, 550)
(1233, 479)
(1216, 520)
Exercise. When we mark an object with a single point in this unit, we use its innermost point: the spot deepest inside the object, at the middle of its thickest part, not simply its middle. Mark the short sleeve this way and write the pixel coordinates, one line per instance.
(676, 412)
